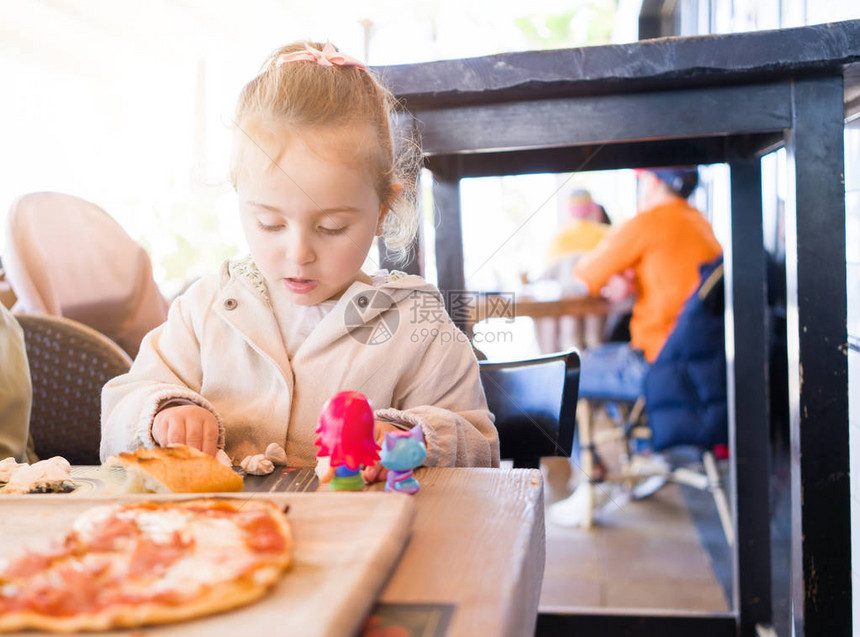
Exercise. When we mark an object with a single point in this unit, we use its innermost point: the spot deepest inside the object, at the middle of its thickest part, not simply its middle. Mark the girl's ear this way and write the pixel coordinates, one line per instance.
(385, 207)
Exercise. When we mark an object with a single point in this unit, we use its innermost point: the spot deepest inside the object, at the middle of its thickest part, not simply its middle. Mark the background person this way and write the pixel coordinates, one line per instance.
(586, 226)
(16, 393)
(655, 256)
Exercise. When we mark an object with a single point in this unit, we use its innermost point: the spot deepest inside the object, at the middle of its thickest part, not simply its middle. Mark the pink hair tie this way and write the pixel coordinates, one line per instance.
(329, 56)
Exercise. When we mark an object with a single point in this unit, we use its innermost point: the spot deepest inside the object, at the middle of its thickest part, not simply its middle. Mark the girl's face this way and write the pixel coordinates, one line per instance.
(309, 219)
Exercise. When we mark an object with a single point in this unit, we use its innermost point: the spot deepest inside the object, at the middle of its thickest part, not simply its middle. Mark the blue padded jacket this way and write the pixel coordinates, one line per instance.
(685, 388)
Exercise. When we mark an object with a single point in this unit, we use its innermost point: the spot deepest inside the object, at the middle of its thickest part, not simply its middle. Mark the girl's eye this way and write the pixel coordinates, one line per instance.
(262, 226)
(332, 231)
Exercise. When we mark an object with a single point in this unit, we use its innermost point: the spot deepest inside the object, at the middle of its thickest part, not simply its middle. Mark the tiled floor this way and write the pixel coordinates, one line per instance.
(644, 554)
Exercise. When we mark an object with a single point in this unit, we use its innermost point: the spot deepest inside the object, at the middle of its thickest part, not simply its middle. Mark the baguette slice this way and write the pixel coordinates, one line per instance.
(174, 469)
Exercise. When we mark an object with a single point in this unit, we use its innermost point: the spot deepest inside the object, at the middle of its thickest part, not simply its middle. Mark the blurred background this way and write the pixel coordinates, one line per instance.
(128, 104)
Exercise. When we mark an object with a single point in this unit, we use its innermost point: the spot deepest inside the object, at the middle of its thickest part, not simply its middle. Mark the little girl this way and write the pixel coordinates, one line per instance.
(248, 356)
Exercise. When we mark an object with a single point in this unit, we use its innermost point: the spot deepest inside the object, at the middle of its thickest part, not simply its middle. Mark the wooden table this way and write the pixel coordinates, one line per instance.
(477, 545)
(478, 542)
(548, 313)
(513, 305)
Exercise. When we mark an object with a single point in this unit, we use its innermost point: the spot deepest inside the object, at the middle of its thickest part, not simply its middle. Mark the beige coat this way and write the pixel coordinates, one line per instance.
(222, 349)
(15, 391)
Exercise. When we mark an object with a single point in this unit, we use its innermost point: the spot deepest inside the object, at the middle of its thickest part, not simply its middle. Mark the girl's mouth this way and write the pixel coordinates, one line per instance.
(300, 286)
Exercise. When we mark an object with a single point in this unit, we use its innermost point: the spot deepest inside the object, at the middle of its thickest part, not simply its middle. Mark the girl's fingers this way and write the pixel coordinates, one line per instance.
(210, 437)
(194, 433)
(159, 430)
(187, 425)
(383, 473)
(374, 473)
(176, 432)
(371, 473)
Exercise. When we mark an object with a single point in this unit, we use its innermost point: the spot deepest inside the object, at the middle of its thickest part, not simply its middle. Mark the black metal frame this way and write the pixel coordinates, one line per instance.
(636, 625)
(699, 100)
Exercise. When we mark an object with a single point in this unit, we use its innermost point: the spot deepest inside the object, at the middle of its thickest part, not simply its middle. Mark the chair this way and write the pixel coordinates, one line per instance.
(67, 257)
(534, 402)
(683, 401)
(69, 365)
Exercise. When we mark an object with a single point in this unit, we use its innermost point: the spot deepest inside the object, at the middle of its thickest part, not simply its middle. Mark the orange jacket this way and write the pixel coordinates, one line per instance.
(664, 246)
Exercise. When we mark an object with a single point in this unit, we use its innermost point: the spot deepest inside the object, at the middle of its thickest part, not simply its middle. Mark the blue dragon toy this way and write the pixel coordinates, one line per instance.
(401, 452)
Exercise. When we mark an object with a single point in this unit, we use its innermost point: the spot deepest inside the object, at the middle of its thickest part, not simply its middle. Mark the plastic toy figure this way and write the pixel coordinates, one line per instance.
(345, 434)
(402, 451)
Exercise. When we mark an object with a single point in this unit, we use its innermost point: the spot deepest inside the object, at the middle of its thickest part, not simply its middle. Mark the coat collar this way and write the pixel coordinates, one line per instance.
(364, 311)
(243, 303)
(360, 308)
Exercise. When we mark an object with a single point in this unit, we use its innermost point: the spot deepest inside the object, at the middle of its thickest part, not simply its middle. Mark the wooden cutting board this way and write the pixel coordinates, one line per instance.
(346, 545)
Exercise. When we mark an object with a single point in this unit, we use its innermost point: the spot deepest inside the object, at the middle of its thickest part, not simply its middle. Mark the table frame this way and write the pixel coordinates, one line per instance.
(714, 99)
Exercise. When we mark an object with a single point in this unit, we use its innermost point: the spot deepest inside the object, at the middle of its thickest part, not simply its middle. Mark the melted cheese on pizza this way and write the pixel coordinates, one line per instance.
(167, 553)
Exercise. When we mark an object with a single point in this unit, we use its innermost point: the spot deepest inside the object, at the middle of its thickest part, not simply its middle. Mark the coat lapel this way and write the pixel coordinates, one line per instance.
(363, 313)
(249, 313)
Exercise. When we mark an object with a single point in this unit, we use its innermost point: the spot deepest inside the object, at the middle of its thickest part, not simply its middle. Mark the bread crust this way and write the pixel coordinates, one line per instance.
(214, 598)
(177, 469)
(218, 599)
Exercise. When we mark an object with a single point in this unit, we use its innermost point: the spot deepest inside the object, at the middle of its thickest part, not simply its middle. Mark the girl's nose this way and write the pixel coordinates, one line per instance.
(301, 249)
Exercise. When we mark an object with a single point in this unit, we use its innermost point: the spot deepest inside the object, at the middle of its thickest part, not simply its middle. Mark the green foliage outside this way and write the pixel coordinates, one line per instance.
(589, 22)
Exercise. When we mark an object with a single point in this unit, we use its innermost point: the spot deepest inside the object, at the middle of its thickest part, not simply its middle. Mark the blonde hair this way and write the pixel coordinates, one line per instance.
(308, 97)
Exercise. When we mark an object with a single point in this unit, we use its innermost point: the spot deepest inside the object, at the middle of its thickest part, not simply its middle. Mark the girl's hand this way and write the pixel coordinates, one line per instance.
(376, 472)
(187, 425)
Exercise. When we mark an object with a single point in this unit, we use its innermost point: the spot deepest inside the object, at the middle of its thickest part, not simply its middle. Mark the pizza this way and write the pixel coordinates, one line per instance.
(147, 562)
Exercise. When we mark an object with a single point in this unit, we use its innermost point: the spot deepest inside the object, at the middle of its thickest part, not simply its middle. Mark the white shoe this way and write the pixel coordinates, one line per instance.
(655, 468)
(573, 510)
